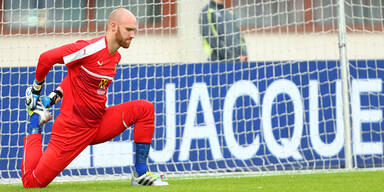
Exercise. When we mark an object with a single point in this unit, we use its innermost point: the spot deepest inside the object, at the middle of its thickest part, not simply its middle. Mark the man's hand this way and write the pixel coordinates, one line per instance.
(32, 94)
(53, 98)
(243, 58)
(44, 114)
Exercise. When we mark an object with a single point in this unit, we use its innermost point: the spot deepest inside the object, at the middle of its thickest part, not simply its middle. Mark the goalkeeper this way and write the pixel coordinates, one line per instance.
(220, 30)
(84, 120)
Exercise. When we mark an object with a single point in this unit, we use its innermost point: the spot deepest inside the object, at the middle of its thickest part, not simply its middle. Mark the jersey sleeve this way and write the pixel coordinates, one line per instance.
(55, 56)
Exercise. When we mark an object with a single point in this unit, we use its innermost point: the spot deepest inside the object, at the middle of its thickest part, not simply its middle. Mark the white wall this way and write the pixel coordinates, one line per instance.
(186, 45)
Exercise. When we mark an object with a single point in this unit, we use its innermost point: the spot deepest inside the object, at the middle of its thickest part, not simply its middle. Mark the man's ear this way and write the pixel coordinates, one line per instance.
(113, 26)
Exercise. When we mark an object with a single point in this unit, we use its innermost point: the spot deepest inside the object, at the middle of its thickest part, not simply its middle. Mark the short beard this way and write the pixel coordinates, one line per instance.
(120, 39)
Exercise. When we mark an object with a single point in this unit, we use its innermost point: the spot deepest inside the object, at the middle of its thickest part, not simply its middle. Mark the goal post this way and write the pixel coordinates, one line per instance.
(309, 76)
(344, 68)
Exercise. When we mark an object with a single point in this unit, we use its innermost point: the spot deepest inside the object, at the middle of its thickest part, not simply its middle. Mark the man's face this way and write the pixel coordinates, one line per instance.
(126, 32)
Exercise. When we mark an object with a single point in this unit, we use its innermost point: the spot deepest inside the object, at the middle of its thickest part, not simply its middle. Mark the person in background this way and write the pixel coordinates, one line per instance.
(221, 33)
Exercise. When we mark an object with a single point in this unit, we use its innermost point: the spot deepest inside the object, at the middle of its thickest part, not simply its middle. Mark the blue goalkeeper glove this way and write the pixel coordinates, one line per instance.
(32, 94)
(41, 111)
(53, 98)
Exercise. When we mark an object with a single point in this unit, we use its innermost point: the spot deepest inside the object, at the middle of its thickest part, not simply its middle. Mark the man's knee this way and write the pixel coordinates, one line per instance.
(41, 176)
(147, 108)
(30, 181)
(146, 105)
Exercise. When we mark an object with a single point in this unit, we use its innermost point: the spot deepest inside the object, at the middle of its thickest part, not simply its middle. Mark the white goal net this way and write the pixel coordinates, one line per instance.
(280, 109)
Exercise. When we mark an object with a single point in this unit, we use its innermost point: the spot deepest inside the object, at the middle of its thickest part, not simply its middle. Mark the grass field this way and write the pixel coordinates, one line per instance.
(364, 181)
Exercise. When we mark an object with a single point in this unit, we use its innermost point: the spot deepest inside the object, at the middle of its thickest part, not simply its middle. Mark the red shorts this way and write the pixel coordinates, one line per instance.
(67, 142)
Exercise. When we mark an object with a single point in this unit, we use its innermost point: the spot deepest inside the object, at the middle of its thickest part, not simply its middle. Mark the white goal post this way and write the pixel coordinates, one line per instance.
(309, 97)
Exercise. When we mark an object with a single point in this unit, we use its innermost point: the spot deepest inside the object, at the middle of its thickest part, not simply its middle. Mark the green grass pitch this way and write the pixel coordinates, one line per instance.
(364, 181)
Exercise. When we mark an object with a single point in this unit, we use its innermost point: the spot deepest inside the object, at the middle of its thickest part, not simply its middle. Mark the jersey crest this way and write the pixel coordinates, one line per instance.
(101, 90)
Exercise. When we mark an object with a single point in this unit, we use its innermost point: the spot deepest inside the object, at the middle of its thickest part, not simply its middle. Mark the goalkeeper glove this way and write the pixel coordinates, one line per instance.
(33, 94)
(44, 114)
(53, 98)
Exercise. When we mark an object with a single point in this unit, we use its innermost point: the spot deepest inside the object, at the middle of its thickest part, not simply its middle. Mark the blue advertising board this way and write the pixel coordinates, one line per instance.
(222, 116)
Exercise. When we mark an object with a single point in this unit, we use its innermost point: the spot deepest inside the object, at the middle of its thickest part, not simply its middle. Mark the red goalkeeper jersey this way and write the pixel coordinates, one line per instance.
(91, 69)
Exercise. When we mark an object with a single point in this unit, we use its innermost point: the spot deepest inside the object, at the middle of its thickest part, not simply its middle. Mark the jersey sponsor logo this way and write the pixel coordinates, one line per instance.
(102, 90)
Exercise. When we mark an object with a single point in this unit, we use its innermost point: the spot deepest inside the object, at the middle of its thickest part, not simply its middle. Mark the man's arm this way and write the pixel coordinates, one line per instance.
(235, 41)
(243, 49)
(46, 62)
(208, 30)
(53, 98)
(52, 57)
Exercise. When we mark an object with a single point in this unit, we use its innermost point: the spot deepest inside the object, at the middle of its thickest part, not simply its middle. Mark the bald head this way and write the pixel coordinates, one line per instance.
(121, 29)
(121, 15)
